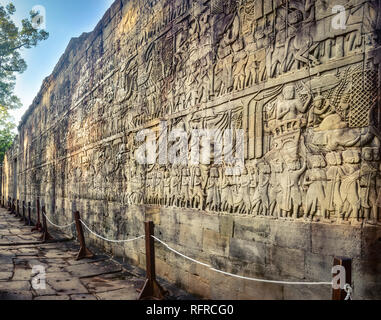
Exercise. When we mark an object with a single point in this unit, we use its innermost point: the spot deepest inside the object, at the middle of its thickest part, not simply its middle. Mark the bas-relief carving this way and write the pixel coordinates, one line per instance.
(312, 147)
(314, 162)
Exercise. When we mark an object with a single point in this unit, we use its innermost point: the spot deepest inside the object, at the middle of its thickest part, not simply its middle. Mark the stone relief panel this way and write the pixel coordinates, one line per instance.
(305, 94)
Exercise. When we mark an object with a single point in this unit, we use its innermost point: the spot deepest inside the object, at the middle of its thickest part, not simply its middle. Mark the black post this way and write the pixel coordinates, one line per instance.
(151, 289)
(30, 223)
(45, 235)
(84, 252)
(38, 226)
(340, 294)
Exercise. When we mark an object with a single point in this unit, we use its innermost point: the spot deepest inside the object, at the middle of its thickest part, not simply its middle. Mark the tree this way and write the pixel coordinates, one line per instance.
(7, 134)
(12, 41)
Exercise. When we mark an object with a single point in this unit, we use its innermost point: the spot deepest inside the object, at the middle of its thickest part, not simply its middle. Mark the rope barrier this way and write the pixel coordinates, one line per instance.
(109, 240)
(348, 289)
(180, 254)
(57, 226)
(237, 276)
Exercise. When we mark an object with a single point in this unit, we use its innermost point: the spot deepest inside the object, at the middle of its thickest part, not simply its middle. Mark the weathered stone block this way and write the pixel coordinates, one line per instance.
(251, 230)
(226, 225)
(249, 251)
(214, 243)
(336, 240)
(286, 262)
(290, 234)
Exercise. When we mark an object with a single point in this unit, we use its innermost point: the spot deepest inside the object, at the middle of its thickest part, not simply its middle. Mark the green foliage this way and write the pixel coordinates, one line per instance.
(7, 134)
(12, 40)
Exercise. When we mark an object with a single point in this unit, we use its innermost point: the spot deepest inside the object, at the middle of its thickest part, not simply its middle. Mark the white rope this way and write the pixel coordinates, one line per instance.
(180, 254)
(348, 289)
(237, 276)
(57, 226)
(108, 240)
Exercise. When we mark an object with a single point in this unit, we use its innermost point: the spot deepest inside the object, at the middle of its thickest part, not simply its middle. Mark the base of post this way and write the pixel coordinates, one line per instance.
(46, 237)
(152, 290)
(84, 253)
(38, 227)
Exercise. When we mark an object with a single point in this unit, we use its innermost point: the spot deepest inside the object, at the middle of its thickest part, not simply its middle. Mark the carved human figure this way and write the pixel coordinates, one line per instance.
(300, 43)
(321, 108)
(228, 49)
(260, 202)
(197, 190)
(368, 191)
(202, 81)
(213, 199)
(244, 191)
(315, 180)
(226, 193)
(290, 107)
(253, 180)
(174, 188)
(275, 188)
(275, 57)
(160, 187)
(334, 174)
(184, 189)
(349, 188)
(149, 188)
(291, 191)
(167, 188)
(239, 75)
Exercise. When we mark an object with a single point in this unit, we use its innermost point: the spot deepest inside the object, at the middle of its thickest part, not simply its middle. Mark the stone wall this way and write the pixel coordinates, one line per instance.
(304, 92)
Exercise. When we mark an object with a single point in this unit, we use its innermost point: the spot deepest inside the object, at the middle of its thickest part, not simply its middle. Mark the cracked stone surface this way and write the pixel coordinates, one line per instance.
(100, 278)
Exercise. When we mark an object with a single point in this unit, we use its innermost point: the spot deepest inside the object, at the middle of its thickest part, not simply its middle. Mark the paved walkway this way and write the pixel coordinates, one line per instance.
(101, 278)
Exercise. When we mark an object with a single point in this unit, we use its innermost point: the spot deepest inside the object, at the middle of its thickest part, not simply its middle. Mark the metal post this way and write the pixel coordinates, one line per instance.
(45, 236)
(340, 294)
(84, 252)
(29, 213)
(38, 226)
(151, 289)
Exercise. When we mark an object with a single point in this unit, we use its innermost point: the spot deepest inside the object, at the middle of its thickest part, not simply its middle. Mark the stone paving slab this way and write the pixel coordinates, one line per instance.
(100, 278)
(93, 269)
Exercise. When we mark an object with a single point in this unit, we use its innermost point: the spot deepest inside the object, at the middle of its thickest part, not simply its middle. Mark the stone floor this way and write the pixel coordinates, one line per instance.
(101, 278)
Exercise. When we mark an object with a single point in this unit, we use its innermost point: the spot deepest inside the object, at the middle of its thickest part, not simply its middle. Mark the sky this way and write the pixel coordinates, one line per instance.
(65, 19)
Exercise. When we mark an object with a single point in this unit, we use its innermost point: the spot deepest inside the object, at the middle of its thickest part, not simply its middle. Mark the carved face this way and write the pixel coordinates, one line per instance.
(289, 92)
(318, 161)
(319, 102)
(367, 154)
(351, 157)
(295, 17)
